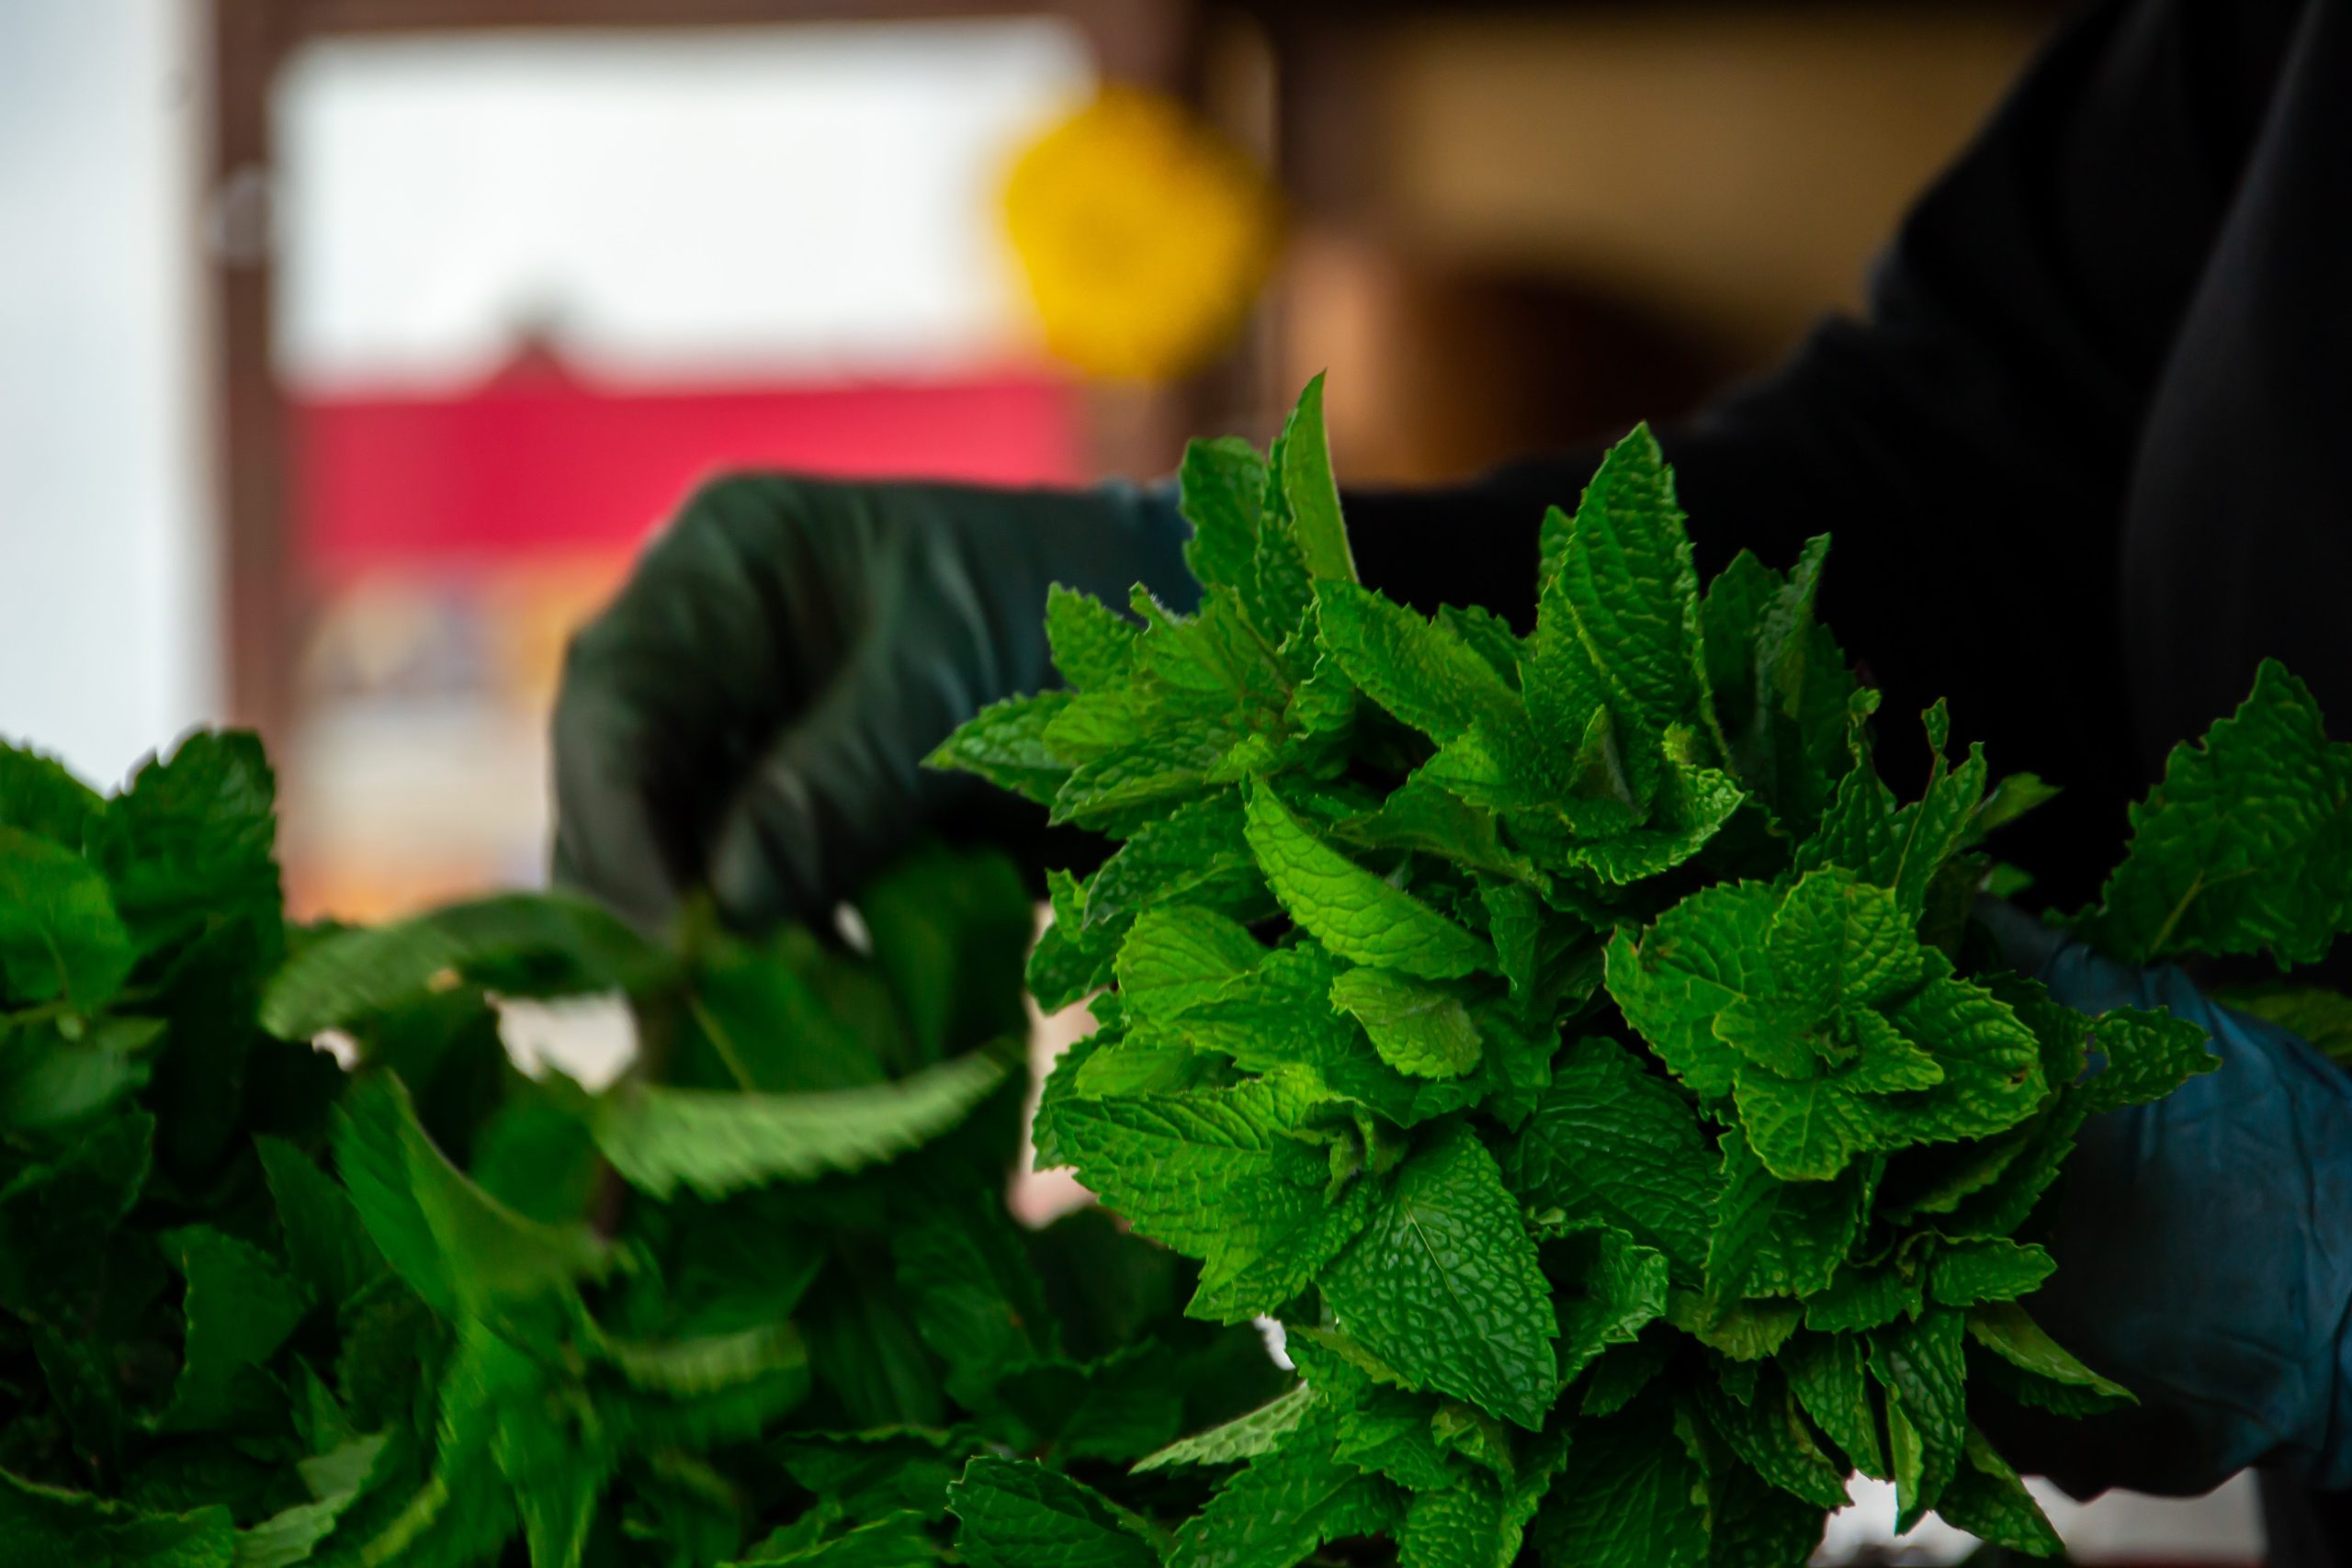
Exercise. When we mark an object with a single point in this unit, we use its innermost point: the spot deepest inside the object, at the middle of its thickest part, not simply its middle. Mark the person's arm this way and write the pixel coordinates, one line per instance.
(1967, 440)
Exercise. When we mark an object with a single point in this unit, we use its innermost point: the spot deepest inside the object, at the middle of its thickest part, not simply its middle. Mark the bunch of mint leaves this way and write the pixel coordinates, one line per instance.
(757, 1301)
(1575, 1047)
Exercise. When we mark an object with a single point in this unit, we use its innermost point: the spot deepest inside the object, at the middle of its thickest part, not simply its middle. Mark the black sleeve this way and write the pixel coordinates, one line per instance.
(1967, 442)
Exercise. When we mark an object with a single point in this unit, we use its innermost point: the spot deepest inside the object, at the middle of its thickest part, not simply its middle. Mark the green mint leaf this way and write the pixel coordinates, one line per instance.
(1785, 708)
(1921, 1366)
(1625, 576)
(535, 1155)
(2010, 798)
(1613, 1143)
(779, 1013)
(975, 1300)
(59, 936)
(2148, 1055)
(54, 1217)
(465, 1511)
(450, 1242)
(1631, 1497)
(558, 1477)
(714, 1142)
(2009, 1331)
(1807, 1131)
(1693, 805)
(1770, 1432)
(1006, 744)
(1151, 773)
(1388, 1432)
(1071, 958)
(1699, 959)
(1567, 700)
(1828, 1373)
(1282, 590)
(1744, 1331)
(876, 1475)
(1621, 1374)
(1195, 855)
(1093, 644)
(41, 1525)
(1860, 1297)
(1420, 671)
(1443, 1285)
(1489, 634)
(1422, 816)
(1607, 1289)
(239, 1307)
(328, 1246)
(1836, 942)
(47, 1082)
(1355, 914)
(1418, 1028)
(895, 1541)
(40, 796)
(1938, 826)
(1088, 726)
(1861, 828)
(1288, 1502)
(86, 1388)
(519, 944)
(948, 931)
(1125, 1068)
(1903, 848)
(387, 1333)
(1461, 1526)
(1173, 959)
(338, 1478)
(1220, 484)
(1244, 1436)
(1991, 1062)
(1781, 1238)
(191, 843)
(769, 1360)
(708, 1393)
(1754, 1524)
(2244, 846)
(1214, 668)
(1222, 1176)
(1993, 1269)
(1312, 493)
(1943, 1183)
(1986, 1499)
(1732, 614)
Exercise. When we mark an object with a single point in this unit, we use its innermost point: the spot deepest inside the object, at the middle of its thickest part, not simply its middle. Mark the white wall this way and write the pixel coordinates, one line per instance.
(106, 643)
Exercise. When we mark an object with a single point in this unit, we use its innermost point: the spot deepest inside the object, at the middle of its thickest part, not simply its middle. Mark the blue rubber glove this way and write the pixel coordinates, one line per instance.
(2204, 1249)
(751, 715)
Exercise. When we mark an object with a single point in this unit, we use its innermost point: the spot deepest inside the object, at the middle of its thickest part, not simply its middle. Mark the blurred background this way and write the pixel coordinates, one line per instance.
(350, 348)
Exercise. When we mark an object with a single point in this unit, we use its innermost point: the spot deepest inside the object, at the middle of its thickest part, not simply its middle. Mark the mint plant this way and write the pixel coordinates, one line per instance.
(1575, 1045)
(1568, 1039)
(758, 1302)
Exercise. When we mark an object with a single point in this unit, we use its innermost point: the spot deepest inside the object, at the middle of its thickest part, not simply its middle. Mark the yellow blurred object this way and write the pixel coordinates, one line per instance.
(1144, 235)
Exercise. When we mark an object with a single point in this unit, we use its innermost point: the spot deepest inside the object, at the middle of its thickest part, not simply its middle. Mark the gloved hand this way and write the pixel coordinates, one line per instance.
(751, 713)
(2204, 1250)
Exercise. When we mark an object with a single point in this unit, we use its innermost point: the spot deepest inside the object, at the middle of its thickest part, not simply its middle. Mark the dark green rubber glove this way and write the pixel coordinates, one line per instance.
(751, 713)
(2204, 1248)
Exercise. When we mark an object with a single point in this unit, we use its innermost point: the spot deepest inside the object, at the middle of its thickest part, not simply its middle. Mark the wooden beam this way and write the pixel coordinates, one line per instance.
(249, 469)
